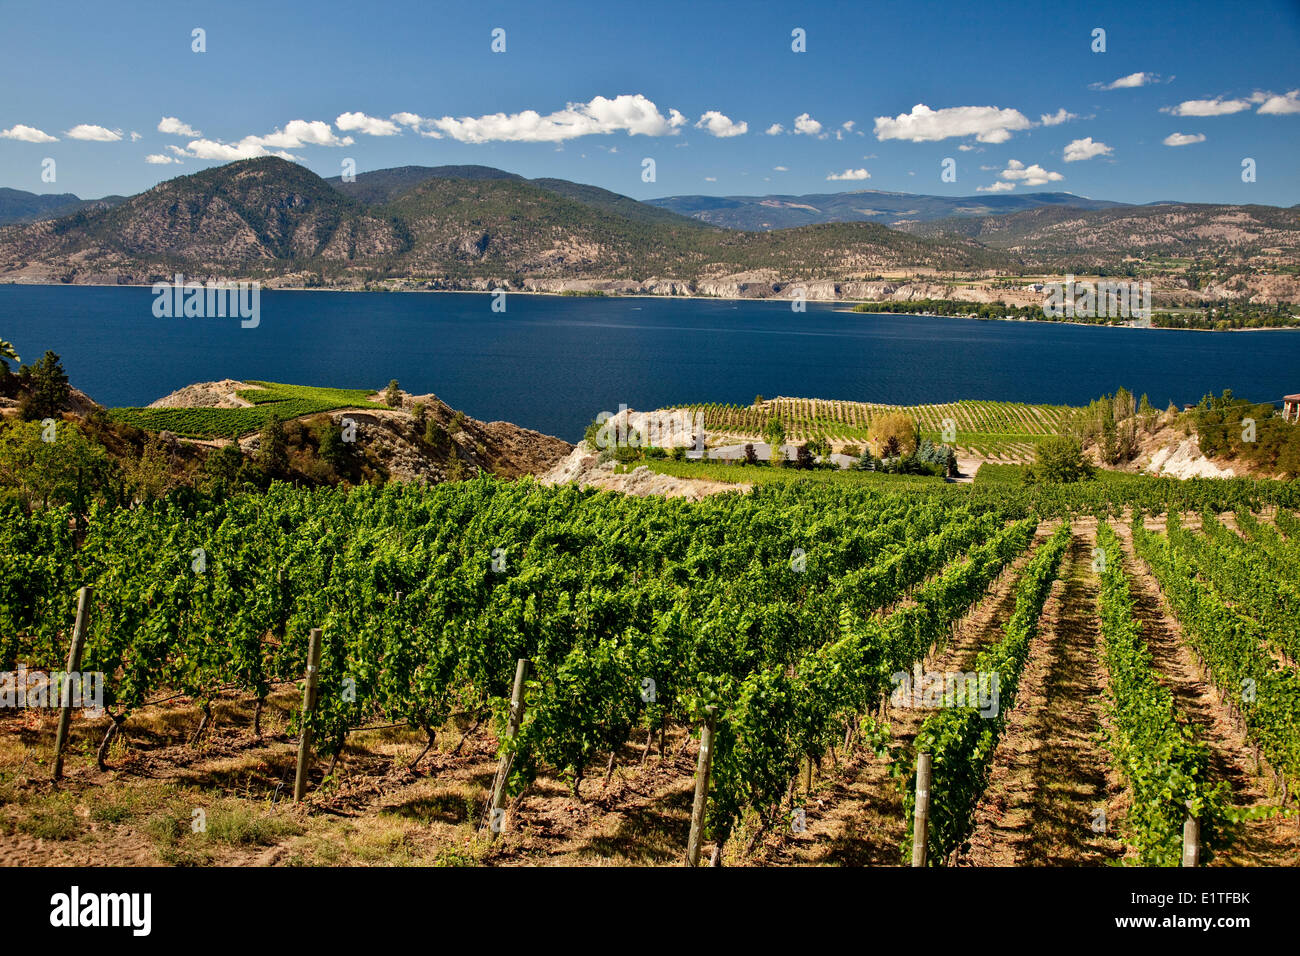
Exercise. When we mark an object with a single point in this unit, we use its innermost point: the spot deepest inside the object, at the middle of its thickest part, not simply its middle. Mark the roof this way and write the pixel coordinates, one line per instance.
(1291, 398)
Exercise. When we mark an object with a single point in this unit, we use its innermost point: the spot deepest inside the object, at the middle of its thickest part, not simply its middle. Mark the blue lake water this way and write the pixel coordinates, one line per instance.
(552, 363)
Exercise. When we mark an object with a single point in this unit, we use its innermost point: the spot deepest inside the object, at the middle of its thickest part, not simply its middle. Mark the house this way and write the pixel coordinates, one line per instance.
(1291, 408)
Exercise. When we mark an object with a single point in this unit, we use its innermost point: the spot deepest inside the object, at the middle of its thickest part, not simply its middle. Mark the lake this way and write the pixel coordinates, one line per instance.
(552, 363)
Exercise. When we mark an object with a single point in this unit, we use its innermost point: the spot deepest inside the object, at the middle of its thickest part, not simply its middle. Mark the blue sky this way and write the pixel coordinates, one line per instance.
(1006, 90)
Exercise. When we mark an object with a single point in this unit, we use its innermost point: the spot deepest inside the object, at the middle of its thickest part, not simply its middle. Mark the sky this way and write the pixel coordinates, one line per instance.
(943, 98)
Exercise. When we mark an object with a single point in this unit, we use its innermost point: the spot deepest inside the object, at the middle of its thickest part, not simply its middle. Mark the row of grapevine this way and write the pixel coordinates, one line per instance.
(960, 739)
(775, 717)
(1159, 755)
(1241, 573)
(1265, 693)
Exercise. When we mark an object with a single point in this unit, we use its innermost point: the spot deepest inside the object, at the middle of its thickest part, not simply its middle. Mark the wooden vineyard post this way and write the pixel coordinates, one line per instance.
(921, 816)
(807, 775)
(496, 812)
(65, 686)
(701, 786)
(1191, 841)
(308, 707)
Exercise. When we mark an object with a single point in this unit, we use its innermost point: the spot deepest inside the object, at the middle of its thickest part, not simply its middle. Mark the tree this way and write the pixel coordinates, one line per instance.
(894, 435)
(47, 388)
(332, 446)
(758, 399)
(435, 434)
(751, 458)
(53, 464)
(393, 395)
(1059, 460)
(150, 476)
(7, 352)
(774, 432)
(272, 450)
(803, 457)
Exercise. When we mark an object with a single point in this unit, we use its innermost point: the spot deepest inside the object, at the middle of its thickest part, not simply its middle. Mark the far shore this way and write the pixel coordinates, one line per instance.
(650, 295)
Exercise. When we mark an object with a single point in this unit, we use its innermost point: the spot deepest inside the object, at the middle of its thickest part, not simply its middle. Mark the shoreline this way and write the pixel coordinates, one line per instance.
(650, 295)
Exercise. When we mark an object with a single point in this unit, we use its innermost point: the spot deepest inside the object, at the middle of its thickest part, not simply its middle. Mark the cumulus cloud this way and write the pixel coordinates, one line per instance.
(1215, 107)
(370, 125)
(988, 124)
(1035, 175)
(805, 125)
(299, 133)
(227, 152)
(160, 159)
(720, 125)
(1183, 139)
(96, 134)
(849, 174)
(996, 188)
(294, 135)
(1057, 118)
(28, 134)
(776, 129)
(174, 127)
(1085, 148)
(633, 114)
(781, 169)
(1282, 105)
(1128, 82)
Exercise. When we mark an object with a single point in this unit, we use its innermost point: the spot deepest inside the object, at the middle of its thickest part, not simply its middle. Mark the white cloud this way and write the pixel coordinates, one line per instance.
(370, 125)
(1282, 105)
(97, 134)
(294, 135)
(776, 129)
(28, 134)
(160, 159)
(848, 125)
(996, 188)
(629, 113)
(805, 125)
(1215, 107)
(1081, 149)
(988, 124)
(299, 133)
(720, 125)
(1183, 139)
(1034, 175)
(966, 147)
(1057, 118)
(781, 169)
(849, 174)
(1127, 82)
(710, 179)
(135, 137)
(226, 152)
(174, 127)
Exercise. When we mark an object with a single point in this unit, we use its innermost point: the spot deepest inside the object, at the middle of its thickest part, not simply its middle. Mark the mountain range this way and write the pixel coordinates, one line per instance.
(476, 226)
(756, 213)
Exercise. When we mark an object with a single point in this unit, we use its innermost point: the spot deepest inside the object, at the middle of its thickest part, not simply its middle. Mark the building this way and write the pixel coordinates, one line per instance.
(1291, 408)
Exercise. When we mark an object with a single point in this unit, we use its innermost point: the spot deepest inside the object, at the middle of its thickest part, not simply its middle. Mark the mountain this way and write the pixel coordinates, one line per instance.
(757, 213)
(275, 220)
(17, 205)
(385, 185)
(1265, 238)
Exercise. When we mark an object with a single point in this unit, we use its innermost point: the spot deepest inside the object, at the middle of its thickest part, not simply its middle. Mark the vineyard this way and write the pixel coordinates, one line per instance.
(264, 400)
(1008, 430)
(776, 624)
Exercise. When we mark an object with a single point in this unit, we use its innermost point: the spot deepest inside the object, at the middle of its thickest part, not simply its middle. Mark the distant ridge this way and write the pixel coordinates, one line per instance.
(762, 213)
